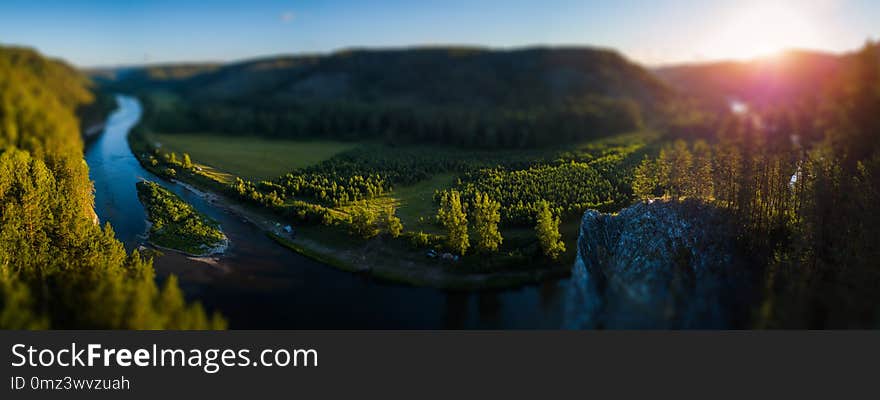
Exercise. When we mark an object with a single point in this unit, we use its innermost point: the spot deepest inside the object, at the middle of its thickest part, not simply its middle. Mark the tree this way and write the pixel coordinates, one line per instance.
(363, 221)
(453, 217)
(187, 162)
(486, 215)
(547, 230)
(392, 223)
(701, 171)
(17, 305)
(646, 180)
(679, 161)
(726, 171)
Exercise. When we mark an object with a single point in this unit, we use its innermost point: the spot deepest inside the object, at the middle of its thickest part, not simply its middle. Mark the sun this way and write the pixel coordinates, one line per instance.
(759, 30)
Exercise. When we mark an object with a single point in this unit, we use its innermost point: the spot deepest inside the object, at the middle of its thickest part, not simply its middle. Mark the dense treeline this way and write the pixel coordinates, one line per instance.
(597, 177)
(175, 223)
(570, 187)
(58, 268)
(463, 97)
(369, 171)
(574, 119)
(806, 204)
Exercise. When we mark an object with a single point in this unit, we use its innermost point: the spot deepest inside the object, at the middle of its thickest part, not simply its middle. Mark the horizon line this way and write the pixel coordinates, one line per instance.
(561, 45)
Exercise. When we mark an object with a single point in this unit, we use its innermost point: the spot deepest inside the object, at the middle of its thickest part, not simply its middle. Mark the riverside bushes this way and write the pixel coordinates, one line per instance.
(175, 223)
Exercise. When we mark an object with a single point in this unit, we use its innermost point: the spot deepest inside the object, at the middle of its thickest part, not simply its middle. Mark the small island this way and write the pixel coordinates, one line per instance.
(176, 225)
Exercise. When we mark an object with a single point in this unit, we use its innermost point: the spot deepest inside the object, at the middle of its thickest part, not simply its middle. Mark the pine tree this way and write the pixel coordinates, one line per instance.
(701, 171)
(547, 230)
(486, 215)
(646, 179)
(681, 160)
(453, 217)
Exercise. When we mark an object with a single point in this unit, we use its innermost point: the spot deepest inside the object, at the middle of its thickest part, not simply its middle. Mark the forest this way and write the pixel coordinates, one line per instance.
(58, 267)
(465, 97)
(802, 180)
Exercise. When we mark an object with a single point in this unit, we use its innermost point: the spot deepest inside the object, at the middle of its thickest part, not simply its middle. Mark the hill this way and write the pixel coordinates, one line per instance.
(156, 75)
(471, 97)
(784, 79)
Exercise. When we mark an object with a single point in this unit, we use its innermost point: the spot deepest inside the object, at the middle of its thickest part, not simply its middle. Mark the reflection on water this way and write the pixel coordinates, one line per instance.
(260, 285)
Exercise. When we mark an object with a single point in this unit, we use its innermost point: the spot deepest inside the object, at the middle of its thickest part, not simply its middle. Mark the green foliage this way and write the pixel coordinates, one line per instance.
(187, 162)
(372, 171)
(364, 221)
(453, 217)
(547, 230)
(646, 180)
(17, 308)
(391, 223)
(701, 171)
(678, 172)
(302, 211)
(423, 240)
(367, 222)
(58, 268)
(571, 186)
(675, 164)
(486, 216)
(176, 224)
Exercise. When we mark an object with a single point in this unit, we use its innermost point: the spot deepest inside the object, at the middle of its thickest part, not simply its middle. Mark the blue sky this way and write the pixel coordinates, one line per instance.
(113, 32)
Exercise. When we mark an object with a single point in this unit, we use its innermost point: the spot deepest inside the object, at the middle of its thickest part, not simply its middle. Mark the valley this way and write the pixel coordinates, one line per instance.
(515, 188)
(257, 283)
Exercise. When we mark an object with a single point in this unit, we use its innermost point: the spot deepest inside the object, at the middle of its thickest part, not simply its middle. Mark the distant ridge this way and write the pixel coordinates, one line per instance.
(792, 76)
(467, 96)
(469, 74)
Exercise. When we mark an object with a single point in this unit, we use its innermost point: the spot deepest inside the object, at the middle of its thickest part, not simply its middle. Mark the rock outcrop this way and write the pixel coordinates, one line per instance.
(659, 265)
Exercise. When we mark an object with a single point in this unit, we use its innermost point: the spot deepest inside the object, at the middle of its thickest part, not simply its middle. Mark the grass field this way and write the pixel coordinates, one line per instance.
(417, 201)
(414, 203)
(251, 157)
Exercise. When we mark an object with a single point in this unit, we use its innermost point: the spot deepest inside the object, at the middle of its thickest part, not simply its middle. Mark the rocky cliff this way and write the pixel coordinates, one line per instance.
(659, 264)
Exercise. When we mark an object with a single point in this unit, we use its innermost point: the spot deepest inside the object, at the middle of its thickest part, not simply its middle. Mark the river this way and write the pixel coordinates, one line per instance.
(258, 284)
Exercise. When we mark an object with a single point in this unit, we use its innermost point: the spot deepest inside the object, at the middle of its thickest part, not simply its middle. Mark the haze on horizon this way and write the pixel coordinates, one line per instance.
(107, 32)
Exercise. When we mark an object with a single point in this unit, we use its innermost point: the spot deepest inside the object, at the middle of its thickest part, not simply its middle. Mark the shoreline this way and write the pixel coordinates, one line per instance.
(217, 251)
(407, 269)
(206, 249)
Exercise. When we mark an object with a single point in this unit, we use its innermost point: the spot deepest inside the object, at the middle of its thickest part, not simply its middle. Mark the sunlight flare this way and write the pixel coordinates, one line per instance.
(760, 30)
